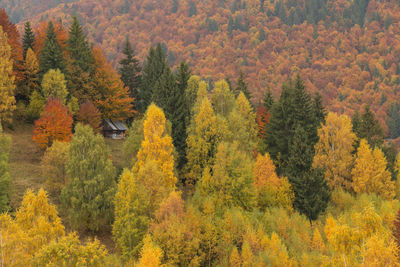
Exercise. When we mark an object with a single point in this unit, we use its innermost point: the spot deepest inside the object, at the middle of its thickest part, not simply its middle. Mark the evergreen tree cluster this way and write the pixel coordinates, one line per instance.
(290, 140)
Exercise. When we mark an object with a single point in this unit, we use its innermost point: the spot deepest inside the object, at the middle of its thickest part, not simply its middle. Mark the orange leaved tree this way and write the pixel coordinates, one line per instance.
(54, 125)
(114, 102)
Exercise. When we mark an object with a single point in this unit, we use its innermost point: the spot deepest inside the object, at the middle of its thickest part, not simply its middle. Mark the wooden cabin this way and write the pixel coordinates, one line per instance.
(114, 129)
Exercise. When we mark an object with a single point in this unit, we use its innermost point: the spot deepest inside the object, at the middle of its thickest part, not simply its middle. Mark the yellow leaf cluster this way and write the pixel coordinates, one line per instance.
(334, 150)
(7, 85)
(155, 145)
(370, 174)
(36, 224)
(36, 237)
(151, 254)
(155, 155)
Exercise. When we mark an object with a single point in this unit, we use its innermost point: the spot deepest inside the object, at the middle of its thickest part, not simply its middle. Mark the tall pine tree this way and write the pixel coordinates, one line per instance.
(181, 112)
(294, 108)
(28, 39)
(51, 56)
(268, 100)
(310, 188)
(169, 94)
(153, 69)
(130, 71)
(78, 47)
(241, 86)
(292, 135)
(367, 127)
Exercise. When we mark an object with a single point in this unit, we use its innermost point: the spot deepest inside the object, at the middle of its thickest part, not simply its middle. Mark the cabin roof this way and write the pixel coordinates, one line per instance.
(119, 125)
(115, 125)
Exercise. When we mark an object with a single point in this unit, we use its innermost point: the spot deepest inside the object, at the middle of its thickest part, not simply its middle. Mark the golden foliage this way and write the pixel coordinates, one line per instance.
(151, 254)
(7, 85)
(370, 174)
(334, 150)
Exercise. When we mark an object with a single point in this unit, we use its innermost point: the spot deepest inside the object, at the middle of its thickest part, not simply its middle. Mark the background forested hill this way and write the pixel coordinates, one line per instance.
(347, 50)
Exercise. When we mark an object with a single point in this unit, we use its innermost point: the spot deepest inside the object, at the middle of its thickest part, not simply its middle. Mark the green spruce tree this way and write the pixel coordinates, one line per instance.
(181, 110)
(394, 121)
(295, 108)
(130, 71)
(320, 111)
(153, 69)
(309, 185)
(311, 193)
(241, 86)
(169, 94)
(366, 126)
(28, 39)
(78, 47)
(268, 100)
(51, 56)
(280, 128)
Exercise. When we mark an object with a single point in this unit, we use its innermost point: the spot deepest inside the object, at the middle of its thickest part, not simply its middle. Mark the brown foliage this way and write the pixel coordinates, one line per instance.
(89, 115)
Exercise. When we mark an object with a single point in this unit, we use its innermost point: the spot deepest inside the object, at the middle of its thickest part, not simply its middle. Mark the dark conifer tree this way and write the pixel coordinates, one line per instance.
(79, 49)
(153, 69)
(261, 35)
(394, 121)
(28, 39)
(192, 8)
(311, 193)
(320, 111)
(268, 100)
(130, 71)
(241, 86)
(228, 81)
(175, 6)
(182, 112)
(301, 154)
(169, 94)
(294, 108)
(280, 127)
(368, 127)
(305, 112)
(51, 56)
(309, 185)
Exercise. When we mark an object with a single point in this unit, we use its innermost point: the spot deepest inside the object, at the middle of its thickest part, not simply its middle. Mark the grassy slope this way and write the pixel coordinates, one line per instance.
(24, 163)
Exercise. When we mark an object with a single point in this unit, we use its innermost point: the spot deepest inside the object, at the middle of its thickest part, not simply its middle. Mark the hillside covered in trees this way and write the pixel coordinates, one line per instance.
(347, 50)
(207, 177)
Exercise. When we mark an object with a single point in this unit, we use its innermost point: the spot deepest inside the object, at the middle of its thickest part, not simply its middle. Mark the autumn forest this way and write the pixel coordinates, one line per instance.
(200, 133)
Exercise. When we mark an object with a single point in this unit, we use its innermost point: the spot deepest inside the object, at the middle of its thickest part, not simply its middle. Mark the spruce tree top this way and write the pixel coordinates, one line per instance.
(268, 100)
(241, 86)
(130, 70)
(29, 38)
(153, 69)
(79, 48)
(51, 56)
